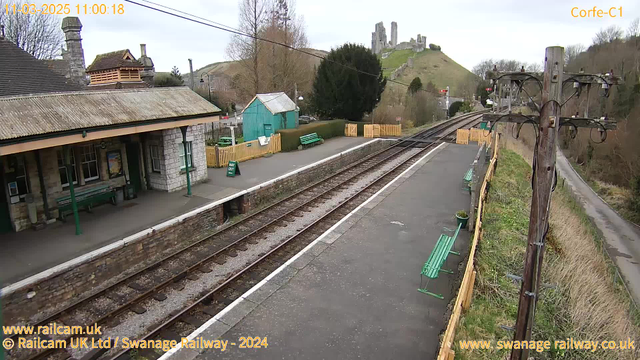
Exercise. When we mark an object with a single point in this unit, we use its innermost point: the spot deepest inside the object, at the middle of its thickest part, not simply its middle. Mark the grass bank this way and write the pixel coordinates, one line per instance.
(588, 302)
(616, 196)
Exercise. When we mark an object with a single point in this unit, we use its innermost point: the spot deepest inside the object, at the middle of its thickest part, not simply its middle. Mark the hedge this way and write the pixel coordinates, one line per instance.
(325, 129)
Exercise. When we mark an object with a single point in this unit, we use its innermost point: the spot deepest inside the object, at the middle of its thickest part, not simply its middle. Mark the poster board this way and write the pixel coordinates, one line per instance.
(233, 168)
(114, 164)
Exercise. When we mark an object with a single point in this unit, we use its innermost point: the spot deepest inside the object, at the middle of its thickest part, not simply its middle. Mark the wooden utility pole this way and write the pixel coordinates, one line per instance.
(543, 180)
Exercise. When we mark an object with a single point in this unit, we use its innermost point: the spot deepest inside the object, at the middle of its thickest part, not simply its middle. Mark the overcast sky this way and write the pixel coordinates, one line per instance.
(468, 30)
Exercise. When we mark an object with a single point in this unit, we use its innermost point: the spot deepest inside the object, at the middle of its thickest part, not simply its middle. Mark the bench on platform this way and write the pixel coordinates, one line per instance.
(433, 266)
(85, 199)
(468, 176)
(310, 139)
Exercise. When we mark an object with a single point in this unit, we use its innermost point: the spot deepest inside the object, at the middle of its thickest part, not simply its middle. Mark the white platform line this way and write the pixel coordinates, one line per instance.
(143, 233)
(257, 286)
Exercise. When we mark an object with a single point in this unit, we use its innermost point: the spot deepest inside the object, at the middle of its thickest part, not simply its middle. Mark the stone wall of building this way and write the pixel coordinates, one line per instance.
(172, 141)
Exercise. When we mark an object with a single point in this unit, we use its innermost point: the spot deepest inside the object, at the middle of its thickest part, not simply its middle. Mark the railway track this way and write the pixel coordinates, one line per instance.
(172, 272)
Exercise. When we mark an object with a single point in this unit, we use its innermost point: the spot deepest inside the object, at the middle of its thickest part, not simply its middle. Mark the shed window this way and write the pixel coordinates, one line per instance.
(89, 161)
(64, 180)
(156, 157)
(189, 155)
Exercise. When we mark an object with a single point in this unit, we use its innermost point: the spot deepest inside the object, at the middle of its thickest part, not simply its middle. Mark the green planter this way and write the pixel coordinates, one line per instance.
(462, 220)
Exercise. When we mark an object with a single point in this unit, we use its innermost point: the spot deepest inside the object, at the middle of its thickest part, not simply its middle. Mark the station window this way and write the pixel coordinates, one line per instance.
(64, 180)
(189, 155)
(156, 158)
(20, 184)
(89, 162)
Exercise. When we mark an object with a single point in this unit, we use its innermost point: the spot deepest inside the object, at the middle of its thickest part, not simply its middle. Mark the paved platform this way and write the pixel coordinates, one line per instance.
(29, 252)
(353, 293)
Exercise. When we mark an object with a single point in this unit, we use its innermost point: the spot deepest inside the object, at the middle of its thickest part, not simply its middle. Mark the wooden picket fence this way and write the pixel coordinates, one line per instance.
(378, 130)
(351, 130)
(220, 156)
(462, 136)
(479, 135)
(465, 293)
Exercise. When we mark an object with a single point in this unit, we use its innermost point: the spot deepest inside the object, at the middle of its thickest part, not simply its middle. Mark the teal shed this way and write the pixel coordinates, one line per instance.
(267, 113)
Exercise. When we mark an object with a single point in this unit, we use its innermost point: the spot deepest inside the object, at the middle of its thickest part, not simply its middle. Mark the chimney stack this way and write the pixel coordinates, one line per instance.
(71, 26)
(149, 70)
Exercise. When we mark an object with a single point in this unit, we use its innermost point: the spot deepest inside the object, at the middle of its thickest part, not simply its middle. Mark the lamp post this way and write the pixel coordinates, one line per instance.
(208, 83)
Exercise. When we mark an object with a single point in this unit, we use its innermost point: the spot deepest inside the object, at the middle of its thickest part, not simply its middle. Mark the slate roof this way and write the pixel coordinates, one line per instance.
(113, 60)
(21, 73)
(275, 102)
(59, 66)
(32, 115)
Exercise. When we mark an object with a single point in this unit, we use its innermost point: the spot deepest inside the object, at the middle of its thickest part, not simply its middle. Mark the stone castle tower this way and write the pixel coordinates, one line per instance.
(394, 34)
(379, 39)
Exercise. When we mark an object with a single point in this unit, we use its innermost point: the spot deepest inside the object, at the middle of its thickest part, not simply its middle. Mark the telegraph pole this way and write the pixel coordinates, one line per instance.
(543, 180)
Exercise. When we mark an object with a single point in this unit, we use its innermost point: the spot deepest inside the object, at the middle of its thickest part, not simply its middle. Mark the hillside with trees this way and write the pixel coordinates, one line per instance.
(613, 166)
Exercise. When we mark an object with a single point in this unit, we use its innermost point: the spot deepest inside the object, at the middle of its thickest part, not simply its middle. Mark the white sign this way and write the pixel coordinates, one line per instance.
(399, 118)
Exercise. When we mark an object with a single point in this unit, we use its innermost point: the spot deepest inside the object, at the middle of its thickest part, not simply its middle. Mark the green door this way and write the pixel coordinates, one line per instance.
(133, 160)
(5, 218)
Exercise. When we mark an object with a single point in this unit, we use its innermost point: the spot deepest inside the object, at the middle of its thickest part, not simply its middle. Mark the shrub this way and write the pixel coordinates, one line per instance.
(435, 47)
(325, 129)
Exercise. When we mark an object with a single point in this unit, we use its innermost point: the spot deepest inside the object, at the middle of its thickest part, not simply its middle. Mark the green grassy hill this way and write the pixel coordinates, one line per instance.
(428, 65)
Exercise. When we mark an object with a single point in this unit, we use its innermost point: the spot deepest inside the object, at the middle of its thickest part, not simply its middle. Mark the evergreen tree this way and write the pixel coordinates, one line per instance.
(348, 91)
(415, 86)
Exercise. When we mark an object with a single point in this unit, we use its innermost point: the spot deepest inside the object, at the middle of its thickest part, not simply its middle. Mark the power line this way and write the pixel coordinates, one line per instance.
(232, 30)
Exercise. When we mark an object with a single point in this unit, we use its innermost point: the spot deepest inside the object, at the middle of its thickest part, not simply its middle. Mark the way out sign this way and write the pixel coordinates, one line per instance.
(233, 168)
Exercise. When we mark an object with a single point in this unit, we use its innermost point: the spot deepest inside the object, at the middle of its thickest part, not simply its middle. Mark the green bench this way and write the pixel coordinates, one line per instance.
(310, 139)
(433, 266)
(225, 141)
(85, 199)
(468, 176)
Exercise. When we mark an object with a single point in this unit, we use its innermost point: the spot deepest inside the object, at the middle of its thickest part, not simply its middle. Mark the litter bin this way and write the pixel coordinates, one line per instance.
(129, 192)
(31, 208)
(119, 195)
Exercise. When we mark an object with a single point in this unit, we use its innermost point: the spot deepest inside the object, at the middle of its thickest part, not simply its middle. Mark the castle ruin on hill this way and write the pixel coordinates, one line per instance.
(379, 41)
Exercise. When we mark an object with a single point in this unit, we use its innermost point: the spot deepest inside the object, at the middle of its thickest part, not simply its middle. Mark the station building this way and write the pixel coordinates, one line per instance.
(57, 135)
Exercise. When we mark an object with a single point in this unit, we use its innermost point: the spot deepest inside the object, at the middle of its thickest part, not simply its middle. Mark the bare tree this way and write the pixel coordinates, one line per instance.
(38, 34)
(284, 66)
(608, 35)
(246, 50)
(534, 67)
(571, 52)
(634, 29)
(482, 68)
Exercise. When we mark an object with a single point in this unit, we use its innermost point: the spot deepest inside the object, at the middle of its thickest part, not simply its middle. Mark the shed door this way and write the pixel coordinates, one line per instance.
(268, 130)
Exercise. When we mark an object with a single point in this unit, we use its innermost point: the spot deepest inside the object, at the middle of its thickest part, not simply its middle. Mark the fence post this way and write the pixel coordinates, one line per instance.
(217, 155)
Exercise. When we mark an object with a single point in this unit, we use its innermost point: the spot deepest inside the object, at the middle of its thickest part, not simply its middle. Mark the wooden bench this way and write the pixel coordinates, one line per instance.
(85, 199)
(310, 139)
(433, 266)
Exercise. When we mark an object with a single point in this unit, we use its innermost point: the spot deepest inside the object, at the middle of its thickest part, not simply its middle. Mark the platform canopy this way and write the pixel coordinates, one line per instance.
(37, 121)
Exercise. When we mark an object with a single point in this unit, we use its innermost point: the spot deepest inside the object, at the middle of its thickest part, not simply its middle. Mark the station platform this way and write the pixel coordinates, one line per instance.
(29, 252)
(353, 292)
